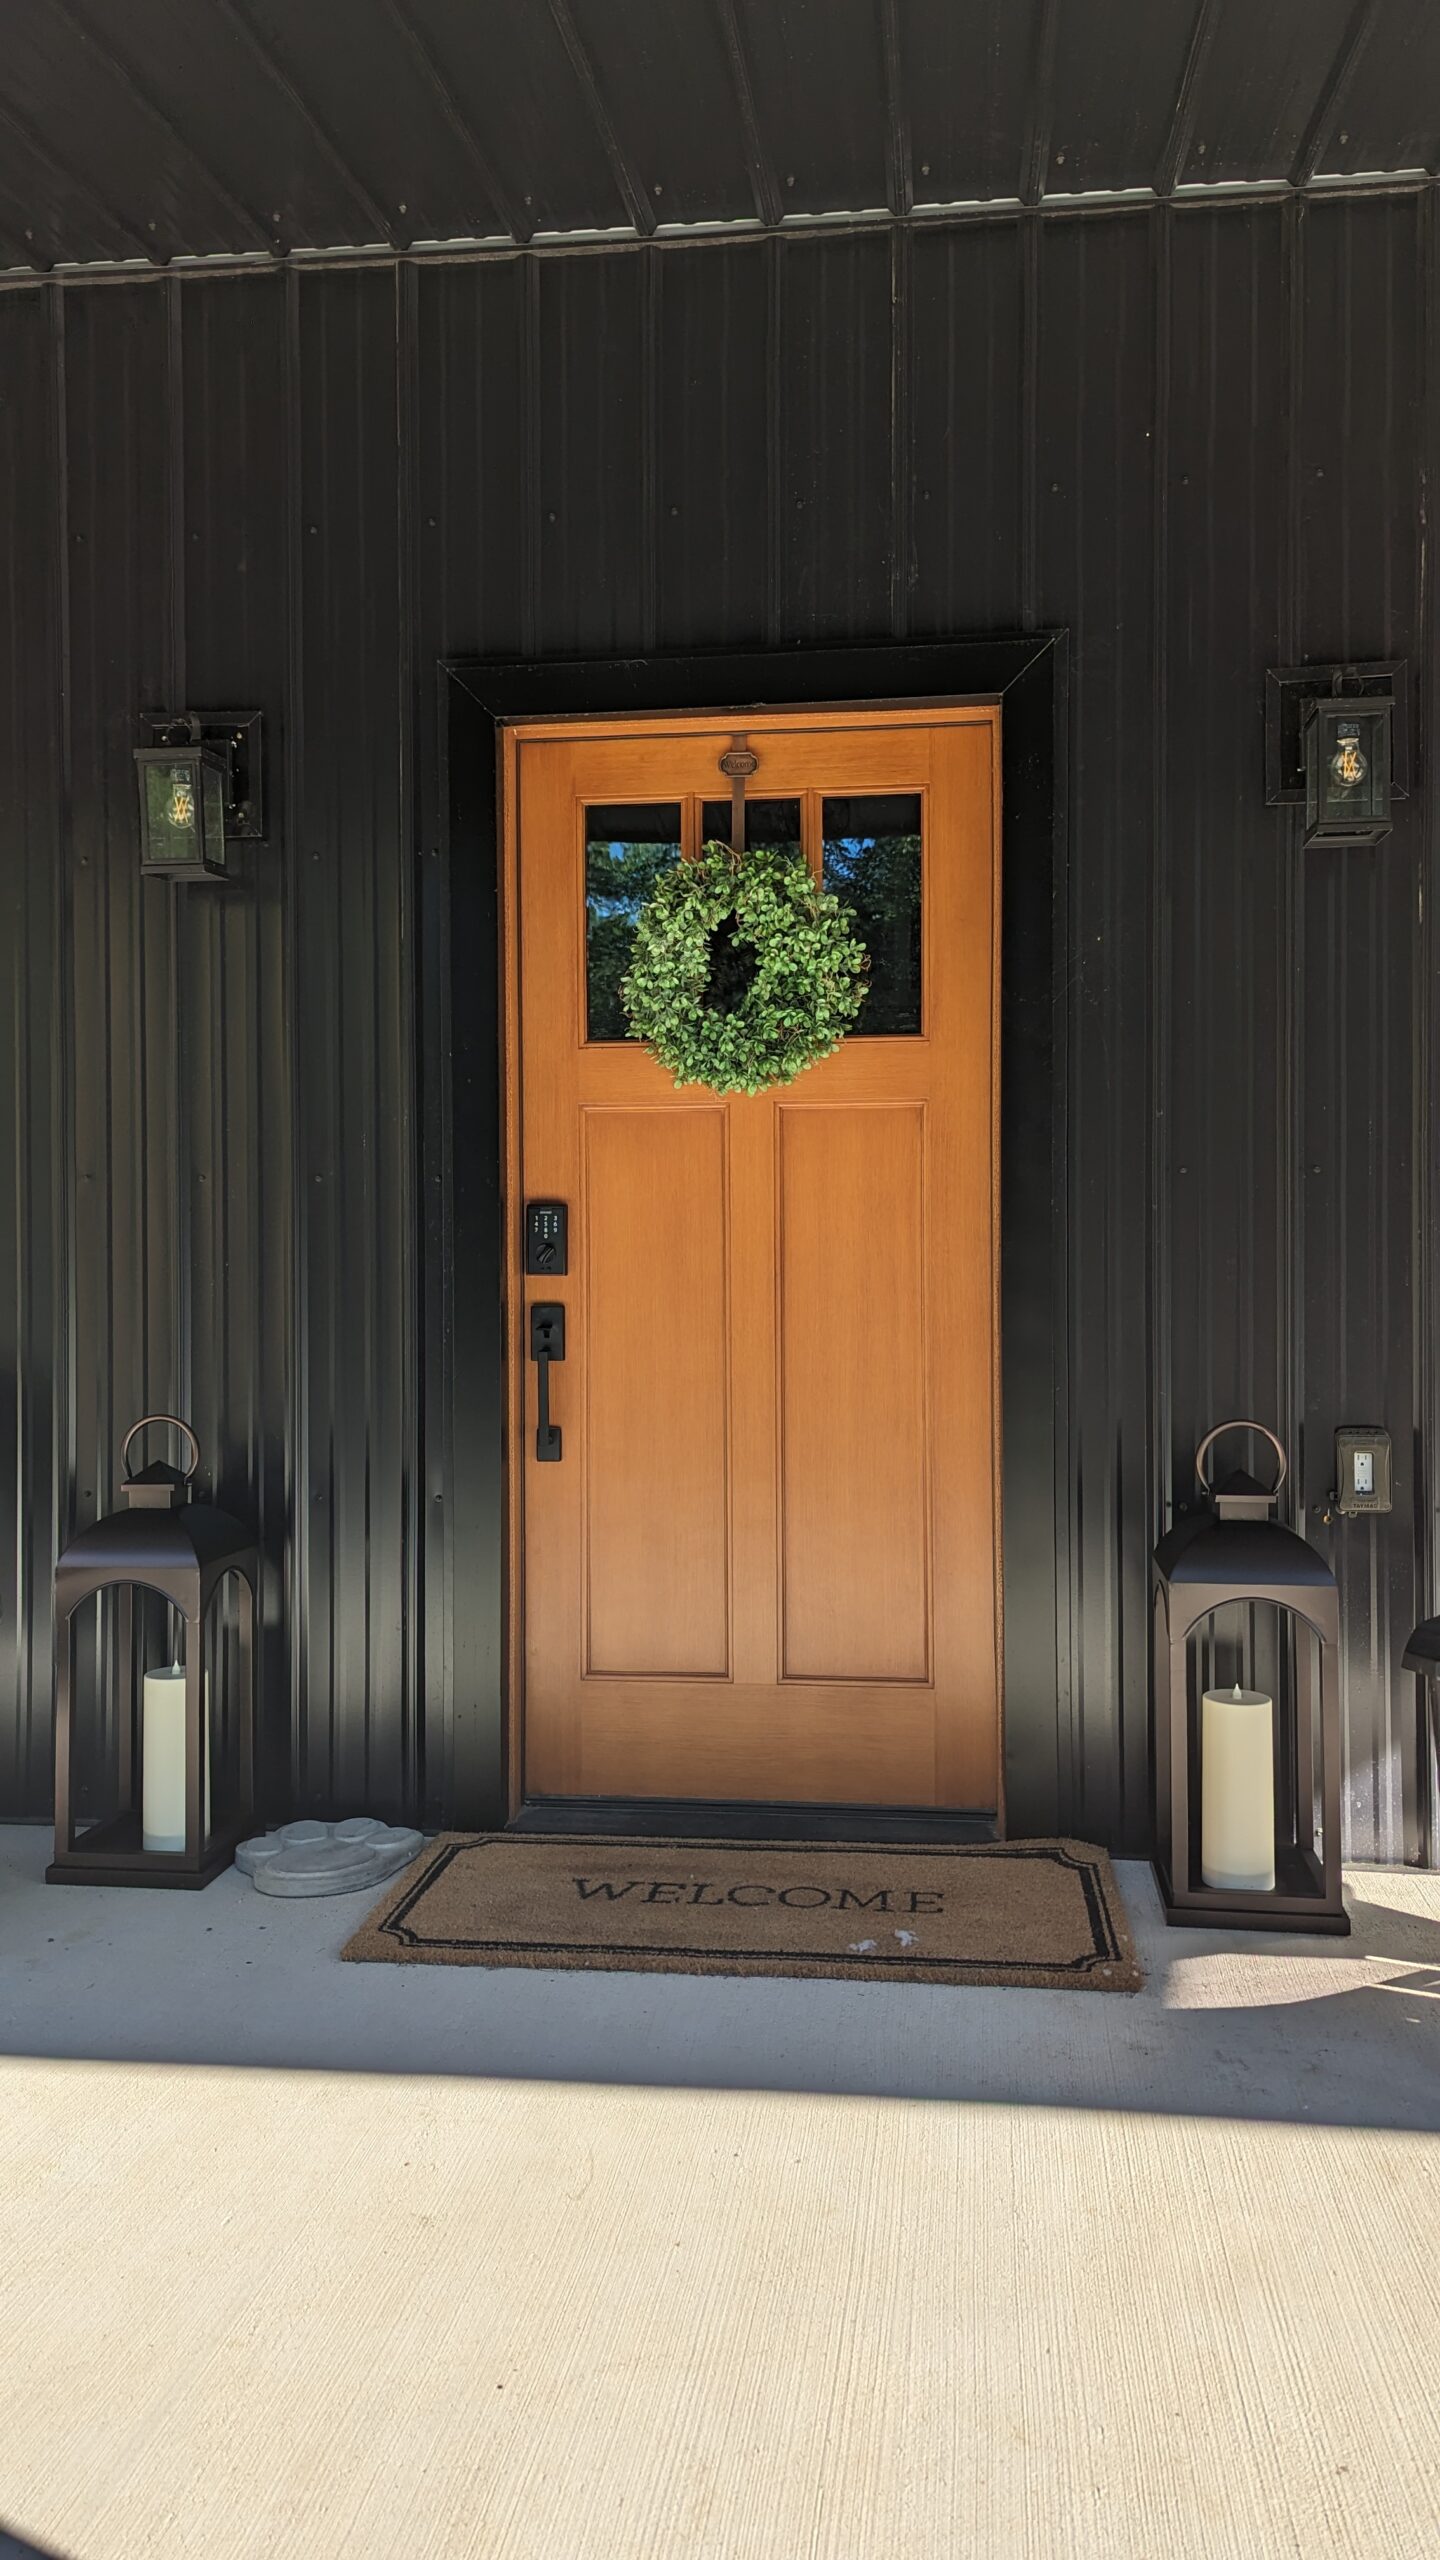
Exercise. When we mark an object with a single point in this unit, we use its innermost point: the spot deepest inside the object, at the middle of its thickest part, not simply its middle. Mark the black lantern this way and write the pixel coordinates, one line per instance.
(1236, 1774)
(1347, 769)
(1337, 746)
(155, 1694)
(200, 791)
(1422, 1656)
(183, 790)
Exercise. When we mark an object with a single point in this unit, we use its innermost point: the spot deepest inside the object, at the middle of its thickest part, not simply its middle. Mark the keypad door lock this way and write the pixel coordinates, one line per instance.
(547, 1239)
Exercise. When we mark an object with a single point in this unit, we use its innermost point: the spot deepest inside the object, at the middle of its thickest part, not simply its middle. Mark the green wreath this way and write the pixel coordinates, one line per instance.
(743, 972)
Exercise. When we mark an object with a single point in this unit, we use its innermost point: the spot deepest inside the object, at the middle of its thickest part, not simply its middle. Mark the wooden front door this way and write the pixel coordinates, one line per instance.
(764, 1566)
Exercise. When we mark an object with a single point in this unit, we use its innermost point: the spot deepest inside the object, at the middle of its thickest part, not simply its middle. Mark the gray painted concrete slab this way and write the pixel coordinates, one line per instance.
(1342, 2032)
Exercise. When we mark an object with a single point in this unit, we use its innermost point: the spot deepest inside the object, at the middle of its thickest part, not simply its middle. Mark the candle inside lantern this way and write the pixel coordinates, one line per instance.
(1237, 1791)
(162, 1791)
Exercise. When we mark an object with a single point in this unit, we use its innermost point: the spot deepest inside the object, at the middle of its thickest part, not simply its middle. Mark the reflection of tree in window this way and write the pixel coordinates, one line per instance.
(872, 863)
(620, 872)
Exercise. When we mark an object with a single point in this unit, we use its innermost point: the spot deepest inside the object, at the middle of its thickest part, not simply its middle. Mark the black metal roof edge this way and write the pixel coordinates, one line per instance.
(1367, 184)
(722, 683)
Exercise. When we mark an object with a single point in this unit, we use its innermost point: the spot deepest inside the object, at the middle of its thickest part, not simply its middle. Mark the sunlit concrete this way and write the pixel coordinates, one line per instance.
(781, 2295)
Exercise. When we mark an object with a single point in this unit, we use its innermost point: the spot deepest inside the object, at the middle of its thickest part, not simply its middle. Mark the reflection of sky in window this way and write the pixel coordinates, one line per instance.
(616, 898)
(627, 849)
(843, 852)
(872, 863)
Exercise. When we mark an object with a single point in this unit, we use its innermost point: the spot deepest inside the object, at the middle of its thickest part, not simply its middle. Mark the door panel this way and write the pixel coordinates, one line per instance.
(656, 1428)
(854, 1531)
(765, 1566)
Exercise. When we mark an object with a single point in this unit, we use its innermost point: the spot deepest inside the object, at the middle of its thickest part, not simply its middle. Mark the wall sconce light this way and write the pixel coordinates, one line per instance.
(200, 791)
(1336, 746)
(1347, 771)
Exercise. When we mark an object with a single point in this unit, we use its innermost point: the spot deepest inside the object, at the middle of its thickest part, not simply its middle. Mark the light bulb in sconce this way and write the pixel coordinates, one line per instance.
(181, 811)
(1348, 767)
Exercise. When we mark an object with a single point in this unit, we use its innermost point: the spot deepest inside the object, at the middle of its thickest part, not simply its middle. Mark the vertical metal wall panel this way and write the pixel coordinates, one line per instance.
(355, 1559)
(1225, 861)
(594, 488)
(965, 359)
(1225, 995)
(1361, 510)
(1092, 467)
(33, 1277)
(1425, 984)
(836, 470)
(235, 996)
(713, 408)
(472, 512)
(1202, 442)
(128, 1233)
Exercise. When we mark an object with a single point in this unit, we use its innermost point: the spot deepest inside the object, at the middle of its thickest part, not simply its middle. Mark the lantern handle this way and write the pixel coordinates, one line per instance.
(176, 1424)
(1218, 1433)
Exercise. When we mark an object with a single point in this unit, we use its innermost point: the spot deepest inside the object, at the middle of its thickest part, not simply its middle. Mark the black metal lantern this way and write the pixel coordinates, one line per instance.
(158, 1789)
(1347, 769)
(1337, 746)
(183, 790)
(1235, 1772)
(1422, 1656)
(201, 790)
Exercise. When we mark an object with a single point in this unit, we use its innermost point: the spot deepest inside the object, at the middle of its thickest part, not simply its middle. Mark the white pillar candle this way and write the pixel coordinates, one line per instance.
(162, 1764)
(1237, 1791)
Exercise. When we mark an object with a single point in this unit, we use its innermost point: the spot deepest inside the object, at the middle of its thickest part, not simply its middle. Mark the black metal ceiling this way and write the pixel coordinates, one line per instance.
(168, 129)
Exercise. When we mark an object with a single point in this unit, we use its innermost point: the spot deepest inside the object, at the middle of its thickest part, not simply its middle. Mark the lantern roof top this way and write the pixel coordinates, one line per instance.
(1240, 1555)
(136, 1543)
(158, 1486)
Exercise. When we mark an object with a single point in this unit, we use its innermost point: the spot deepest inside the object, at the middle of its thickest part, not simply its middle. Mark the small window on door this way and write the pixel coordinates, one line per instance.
(772, 823)
(626, 850)
(872, 863)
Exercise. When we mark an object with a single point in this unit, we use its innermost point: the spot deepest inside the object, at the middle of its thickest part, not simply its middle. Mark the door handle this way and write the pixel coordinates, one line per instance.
(547, 1343)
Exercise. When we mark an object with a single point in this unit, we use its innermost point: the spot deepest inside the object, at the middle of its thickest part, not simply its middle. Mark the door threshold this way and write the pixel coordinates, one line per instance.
(694, 1818)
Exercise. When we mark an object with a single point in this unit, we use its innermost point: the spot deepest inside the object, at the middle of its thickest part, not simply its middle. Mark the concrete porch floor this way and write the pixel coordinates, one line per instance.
(309, 2259)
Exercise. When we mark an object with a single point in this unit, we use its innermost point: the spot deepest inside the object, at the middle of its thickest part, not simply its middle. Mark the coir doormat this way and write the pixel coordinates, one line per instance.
(1027, 1911)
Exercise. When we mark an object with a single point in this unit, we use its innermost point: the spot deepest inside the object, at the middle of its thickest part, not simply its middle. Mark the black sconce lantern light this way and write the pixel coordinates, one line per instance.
(1236, 1773)
(200, 791)
(1336, 746)
(154, 1686)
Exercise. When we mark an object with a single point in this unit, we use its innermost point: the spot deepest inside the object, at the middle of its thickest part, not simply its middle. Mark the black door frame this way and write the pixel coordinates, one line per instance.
(463, 1243)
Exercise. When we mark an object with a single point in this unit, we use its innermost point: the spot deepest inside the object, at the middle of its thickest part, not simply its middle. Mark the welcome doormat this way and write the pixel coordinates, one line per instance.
(1045, 1912)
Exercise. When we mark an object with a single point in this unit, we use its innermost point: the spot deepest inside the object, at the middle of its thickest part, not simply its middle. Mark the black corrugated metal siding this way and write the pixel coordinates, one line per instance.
(1202, 440)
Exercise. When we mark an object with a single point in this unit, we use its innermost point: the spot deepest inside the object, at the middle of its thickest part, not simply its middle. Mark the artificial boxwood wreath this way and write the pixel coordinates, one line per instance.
(743, 972)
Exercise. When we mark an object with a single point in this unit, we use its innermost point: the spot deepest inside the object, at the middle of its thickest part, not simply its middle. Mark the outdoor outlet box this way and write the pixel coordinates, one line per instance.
(1363, 1473)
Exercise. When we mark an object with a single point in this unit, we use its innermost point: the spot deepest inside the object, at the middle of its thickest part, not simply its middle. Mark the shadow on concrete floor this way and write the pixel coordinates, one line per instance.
(1291, 2029)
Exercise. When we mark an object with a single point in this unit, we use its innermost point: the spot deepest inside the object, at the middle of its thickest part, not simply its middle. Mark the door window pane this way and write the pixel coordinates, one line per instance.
(775, 823)
(872, 863)
(626, 850)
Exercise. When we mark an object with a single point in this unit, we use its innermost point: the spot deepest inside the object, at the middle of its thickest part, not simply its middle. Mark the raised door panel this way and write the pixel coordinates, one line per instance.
(854, 1454)
(656, 1365)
